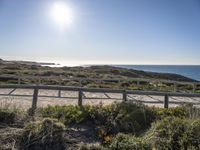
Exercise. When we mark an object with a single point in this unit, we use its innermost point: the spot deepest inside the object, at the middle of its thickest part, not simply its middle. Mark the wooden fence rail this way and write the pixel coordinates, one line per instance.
(81, 90)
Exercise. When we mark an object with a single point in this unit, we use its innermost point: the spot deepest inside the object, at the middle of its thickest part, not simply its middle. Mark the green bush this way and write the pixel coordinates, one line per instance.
(170, 133)
(118, 117)
(197, 91)
(43, 135)
(108, 120)
(175, 133)
(93, 147)
(179, 112)
(194, 134)
(7, 117)
(123, 117)
(128, 142)
(172, 130)
(69, 114)
(184, 111)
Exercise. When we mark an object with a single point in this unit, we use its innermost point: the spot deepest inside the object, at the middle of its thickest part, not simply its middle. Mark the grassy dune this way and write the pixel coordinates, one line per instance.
(66, 76)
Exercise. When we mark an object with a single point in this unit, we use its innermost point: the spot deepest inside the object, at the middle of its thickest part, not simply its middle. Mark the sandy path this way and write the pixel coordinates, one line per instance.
(72, 98)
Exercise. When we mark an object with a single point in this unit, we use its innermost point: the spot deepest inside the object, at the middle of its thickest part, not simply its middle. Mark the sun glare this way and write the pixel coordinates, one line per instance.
(61, 14)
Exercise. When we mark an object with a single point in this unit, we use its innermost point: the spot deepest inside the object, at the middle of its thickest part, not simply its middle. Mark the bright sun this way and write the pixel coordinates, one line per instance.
(61, 14)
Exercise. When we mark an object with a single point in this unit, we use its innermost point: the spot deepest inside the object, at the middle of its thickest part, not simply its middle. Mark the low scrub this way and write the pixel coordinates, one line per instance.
(7, 117)
(184, 111)
(169, 133)
(11, 116)
(128, 142)
(93, 147)
(120, 126)
(180, 112)
(112, 119)
(43, 135)
(194, 134)
(68, 114)
(175, 133)
(123, 117)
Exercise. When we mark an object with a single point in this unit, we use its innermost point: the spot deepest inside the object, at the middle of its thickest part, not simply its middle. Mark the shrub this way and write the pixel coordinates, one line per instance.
(128, 142)
(194, 134)
(184, 111)
(124, 117)
(7, 117)
(197, 91)
(69, 114)
(93, 147)
(175, 133)
(115, 118)
(43, 135)
(170, 133)
(179, 112)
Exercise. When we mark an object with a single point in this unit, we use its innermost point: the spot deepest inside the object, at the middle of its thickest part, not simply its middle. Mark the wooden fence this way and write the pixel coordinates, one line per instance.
(81, 90)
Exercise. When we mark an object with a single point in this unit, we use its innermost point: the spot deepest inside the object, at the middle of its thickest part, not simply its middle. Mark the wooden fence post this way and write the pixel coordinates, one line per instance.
(124, 96)
(19, 80)
(175, 87)
(80, 81)
(60, 83)
(80, 97)
(138, 83)
(34, 102)
(194, 87)
(39, 80)
(59, 93)
(166, 101)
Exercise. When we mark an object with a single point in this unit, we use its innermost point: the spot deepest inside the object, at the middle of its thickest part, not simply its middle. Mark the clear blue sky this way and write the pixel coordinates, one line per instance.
(103, 31)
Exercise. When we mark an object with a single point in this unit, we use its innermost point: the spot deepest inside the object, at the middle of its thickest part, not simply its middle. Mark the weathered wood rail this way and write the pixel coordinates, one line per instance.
(81, 90)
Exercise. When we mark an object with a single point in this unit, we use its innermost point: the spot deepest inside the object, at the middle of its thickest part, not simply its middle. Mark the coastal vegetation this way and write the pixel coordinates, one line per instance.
(104, 102)
(92, 76)
(119, 126)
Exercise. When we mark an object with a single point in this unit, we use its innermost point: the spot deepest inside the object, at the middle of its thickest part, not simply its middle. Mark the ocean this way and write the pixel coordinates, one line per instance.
(185, 70)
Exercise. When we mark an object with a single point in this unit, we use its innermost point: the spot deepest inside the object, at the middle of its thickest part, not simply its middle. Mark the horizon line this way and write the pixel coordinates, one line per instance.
(83, 63)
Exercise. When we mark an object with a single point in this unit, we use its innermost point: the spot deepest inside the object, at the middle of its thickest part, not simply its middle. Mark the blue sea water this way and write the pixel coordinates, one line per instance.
(188, 71)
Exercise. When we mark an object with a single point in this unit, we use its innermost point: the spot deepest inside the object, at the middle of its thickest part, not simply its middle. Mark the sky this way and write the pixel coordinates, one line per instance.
(102, 31)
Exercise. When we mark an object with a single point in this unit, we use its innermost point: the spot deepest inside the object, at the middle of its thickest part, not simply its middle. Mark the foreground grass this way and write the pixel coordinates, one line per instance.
(120, 126)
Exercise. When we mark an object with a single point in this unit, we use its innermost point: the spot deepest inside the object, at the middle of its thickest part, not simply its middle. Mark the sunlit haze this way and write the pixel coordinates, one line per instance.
(61, 14)
(101, 31)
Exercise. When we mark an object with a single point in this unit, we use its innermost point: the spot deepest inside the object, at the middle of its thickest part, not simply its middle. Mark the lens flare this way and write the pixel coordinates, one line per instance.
(61, 14)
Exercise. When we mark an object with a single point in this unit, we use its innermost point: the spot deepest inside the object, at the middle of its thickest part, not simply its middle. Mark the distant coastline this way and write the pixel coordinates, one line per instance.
(190, 71)
(28, 62)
